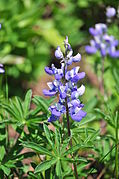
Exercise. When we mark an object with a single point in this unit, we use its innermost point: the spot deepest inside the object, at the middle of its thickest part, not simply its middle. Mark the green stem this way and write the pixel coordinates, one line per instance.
(116, 134)
(6, 96)
(69, 134)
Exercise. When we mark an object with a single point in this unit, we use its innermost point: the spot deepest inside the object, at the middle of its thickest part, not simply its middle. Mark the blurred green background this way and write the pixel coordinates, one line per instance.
(32, 29)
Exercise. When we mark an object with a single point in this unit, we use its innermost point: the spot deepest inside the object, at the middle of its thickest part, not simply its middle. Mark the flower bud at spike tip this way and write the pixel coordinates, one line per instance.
(58, 53)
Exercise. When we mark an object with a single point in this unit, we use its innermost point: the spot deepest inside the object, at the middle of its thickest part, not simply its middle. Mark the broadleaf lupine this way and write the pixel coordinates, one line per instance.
(65, 85)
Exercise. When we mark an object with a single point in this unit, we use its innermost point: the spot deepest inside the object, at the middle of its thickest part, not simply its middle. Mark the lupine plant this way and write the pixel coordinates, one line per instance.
(104, 43)
(65, 86)
(57, 149)
(107, 46)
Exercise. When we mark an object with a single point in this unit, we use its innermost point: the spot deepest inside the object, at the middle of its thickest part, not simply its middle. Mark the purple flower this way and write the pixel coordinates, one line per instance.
(76, 111)
(65, 85)
(114, 53)
(90, 49)
(76, 58)
(48, 71)
(98, 30)
(78, 115)
(1, 69)
(110, 12)
(78, 92)
(102, 42)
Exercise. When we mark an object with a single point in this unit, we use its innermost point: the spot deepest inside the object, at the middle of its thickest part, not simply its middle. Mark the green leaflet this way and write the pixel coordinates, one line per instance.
(37, 148)
(45, 165)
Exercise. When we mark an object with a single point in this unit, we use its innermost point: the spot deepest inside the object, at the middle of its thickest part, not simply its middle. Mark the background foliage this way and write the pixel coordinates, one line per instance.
(31, 30)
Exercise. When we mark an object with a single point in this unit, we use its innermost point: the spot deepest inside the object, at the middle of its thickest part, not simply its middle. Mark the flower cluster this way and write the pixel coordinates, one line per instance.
(1, 69)
(102, 42)
(65, 85)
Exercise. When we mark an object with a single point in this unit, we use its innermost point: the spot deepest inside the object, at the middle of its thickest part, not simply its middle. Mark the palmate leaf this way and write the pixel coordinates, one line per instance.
(19, 110)
(45, 165)
(14, 108)
(37, 148)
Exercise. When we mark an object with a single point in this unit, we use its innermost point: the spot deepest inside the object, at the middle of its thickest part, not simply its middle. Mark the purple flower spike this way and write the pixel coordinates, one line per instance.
(58, 53)
(110, 12)
(65, 86)
(102, 42)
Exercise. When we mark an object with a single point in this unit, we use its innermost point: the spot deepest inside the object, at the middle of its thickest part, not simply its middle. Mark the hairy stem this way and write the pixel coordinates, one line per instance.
(69, 134)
